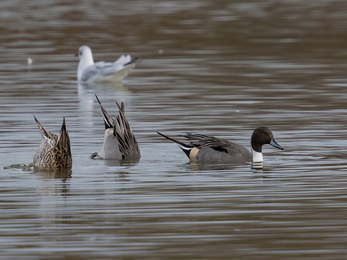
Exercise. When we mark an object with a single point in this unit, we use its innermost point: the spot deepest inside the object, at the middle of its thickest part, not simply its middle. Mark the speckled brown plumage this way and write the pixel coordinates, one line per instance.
(54, 152)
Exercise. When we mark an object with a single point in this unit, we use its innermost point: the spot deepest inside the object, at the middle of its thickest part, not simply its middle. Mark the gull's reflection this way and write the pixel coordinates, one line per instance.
(86, 101)
(116, 91)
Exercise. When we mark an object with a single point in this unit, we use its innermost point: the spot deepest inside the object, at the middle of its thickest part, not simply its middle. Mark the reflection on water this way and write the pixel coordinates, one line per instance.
(216, 67)
(87, 101)
(205, 166)
(62, 174)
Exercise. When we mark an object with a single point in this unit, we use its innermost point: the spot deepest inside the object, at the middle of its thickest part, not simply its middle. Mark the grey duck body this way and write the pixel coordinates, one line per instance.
(203, 148)
(119, 140)
(212, 149)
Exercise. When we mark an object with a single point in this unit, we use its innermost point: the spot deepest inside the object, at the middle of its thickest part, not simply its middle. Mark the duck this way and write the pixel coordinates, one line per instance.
(54, 152)
(204, 148)
(119, 140)
(89, 72)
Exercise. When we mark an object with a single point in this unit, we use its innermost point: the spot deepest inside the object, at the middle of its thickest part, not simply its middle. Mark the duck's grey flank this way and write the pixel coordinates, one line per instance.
(54, 152)
(119, 140)
(211, 149)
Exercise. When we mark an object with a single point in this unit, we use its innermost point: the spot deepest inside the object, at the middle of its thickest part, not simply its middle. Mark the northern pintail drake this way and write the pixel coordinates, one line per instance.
(101, 71)
(211, 149)
(54, 152)
(119, 141)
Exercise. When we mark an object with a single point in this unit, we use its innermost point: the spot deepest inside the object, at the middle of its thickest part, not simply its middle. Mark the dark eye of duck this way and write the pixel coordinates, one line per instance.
(80, 53)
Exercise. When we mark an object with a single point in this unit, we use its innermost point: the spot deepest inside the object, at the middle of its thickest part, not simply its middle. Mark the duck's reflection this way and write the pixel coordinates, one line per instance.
(58, 174)
(112, 162)
(257, 165)
(207, 166)
(123, 175)
(53, 208)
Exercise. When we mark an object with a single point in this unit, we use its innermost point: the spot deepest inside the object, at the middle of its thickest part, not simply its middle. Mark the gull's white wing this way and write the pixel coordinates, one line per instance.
(124, 59)
(105, 69)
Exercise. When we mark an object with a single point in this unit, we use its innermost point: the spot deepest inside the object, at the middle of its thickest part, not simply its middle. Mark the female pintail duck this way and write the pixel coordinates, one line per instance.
(212, 149)
(119, 141)
(88, 71)
(54, 152)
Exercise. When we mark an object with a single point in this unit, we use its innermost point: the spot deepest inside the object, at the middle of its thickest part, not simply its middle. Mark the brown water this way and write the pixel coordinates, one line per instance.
(216, 67)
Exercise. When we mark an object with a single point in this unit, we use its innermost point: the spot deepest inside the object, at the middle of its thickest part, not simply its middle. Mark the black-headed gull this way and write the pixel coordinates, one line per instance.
(101, 71)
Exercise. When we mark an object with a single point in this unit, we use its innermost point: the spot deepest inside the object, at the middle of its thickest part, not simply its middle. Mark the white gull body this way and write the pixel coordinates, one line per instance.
(101, 71)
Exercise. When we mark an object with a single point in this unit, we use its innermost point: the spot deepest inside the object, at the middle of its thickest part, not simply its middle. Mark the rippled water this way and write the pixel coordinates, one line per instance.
(216, 67)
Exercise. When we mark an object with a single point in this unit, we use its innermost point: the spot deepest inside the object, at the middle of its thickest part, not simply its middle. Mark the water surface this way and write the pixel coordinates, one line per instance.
(214, 67)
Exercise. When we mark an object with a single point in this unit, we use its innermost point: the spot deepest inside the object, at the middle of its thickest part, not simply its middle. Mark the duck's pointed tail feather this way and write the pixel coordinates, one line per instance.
(185, 147)
(63, 146)
(127, 142)
(109, 121)
(45, 133)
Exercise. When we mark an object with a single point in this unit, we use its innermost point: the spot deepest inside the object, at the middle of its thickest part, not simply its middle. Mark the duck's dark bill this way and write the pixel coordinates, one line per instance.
(274, 144)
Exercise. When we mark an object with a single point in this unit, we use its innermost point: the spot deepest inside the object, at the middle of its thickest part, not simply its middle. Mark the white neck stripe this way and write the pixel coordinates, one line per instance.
(257, 157)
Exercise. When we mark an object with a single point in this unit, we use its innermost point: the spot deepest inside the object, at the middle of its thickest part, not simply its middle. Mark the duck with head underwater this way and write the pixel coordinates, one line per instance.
(119, 140)
(54, 152)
